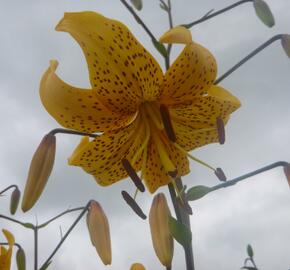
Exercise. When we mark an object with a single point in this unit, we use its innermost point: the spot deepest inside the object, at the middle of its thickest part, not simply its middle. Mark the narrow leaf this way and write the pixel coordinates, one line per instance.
(45, 266)
(179, 231)
(197, 192)
(264, 13)
(160, 48)
(137, 4)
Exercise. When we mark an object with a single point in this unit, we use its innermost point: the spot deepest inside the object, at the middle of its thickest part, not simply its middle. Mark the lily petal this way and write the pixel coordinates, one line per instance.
(121, 71)
(195, 122)
(177, 35)
(191, 75)
(102, 157)
(5, 254)
(155, 175)
(76, 108)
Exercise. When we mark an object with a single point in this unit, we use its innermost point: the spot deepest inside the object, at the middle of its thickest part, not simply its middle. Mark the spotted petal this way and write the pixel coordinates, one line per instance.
(195, 122)
(191, 75)
(78, 109)
(102, 157)
(121, 71)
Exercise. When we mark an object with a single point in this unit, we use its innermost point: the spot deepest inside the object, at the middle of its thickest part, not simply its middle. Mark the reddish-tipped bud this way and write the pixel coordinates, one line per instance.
(137, 266)
(99, 231)
(160, 233)
(39, 171)
(14, 200)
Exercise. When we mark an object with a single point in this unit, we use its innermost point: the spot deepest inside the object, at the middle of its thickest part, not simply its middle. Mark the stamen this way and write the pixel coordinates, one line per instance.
(221, 130)
(133, 175)
(132, 203)
(167, 123)
(165, 160)
(135, 194)
(220, 174)
(194, 158)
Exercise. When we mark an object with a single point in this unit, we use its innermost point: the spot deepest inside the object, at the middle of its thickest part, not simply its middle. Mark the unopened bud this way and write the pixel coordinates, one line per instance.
(39, 171)
(285, 42)
(99, 231)
(20, 259)
(14, 200)
(160, 233)
(137, 266)
(287, 173)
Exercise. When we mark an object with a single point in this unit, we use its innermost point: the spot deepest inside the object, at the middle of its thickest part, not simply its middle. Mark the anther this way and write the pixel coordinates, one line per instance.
(132, 203)
(173, 174)
(133, 175)
(167, 123)
(221, 130)
(220, 174)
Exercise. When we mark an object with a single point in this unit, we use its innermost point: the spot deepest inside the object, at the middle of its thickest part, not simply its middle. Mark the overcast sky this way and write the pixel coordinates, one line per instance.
(256, 211)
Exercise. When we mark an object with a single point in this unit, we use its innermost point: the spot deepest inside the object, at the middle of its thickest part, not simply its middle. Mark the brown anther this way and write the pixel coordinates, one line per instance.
(167, 123)
(287, 173)
(132, 203)
(221, 130)
(133, 175)
(173, 174)
(220, 174)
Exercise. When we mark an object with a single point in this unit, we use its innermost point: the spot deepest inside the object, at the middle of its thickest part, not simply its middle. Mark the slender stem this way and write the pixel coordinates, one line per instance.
(66, 234)
(59, 215)
(138, 19)
(248, 57)
(70, 131)
(213, 14)
(4, 190)
(35, 230)
(253, 262)
(7, 244)
(14, 220)
(250, 174)
(169, 47)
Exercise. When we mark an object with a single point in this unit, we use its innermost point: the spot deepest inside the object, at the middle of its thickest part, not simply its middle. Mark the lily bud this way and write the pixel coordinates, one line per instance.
(20, 259)
(99, 231)
(39, 171)
(137, 266)
(160, 233)
(14, 200)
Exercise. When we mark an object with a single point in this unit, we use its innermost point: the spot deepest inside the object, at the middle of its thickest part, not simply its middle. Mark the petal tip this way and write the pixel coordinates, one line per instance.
(178, 34)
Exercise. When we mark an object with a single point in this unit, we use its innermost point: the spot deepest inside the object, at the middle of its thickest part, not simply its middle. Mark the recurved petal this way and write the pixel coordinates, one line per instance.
(154, 174)
(190, 76)
(121, 71)
(102, 157)
(75, 108)
(195, 123)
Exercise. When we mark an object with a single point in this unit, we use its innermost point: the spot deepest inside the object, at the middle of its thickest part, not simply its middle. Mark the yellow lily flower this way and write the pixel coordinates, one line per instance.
(127, 89)
(5, 254)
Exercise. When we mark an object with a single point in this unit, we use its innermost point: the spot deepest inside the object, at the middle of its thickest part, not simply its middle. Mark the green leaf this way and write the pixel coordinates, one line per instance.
(197, 192)
(250, 251)
(28, 225)
(137, 4)
(179, 231)
(45, 266)
(20, 259)
(264, 13)
(285, 42)
(160, 48)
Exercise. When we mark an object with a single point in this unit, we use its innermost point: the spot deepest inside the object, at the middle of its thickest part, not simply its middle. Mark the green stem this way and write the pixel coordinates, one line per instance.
(214, 14)
(14, 220)
(7, 244)
(59, 215)
(9, 187)
(66, 234)
(250, 174)
(139, 21)
(35, 230)
(248, 57)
